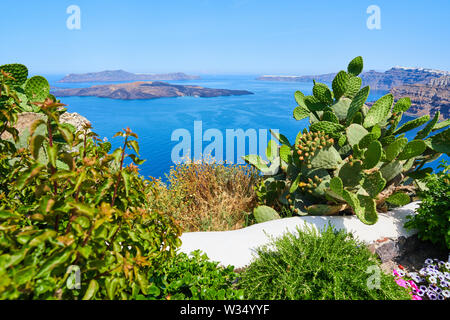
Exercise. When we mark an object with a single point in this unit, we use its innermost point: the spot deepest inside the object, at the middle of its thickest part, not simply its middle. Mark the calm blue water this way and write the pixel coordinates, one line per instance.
(270, 107)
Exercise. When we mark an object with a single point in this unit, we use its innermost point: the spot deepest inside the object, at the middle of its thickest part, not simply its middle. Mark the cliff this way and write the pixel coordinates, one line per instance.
(145, 90)
(396, 76)
(121, 75)
(427, 98)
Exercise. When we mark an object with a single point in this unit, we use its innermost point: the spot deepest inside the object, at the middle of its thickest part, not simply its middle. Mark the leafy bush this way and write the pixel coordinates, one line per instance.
(316, 266)
(432, 220)
(353, 158)
(65, 200)
(207, 196)
(194, 277)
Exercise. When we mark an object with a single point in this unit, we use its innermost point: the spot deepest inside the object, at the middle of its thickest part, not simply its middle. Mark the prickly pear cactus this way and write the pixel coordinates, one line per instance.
(26, 92)
(352, 158)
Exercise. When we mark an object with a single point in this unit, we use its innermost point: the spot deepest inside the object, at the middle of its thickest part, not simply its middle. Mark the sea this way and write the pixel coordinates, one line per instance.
(159, 122)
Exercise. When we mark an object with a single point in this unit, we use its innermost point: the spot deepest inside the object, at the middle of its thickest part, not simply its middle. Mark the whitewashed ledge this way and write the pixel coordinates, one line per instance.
(237, 247)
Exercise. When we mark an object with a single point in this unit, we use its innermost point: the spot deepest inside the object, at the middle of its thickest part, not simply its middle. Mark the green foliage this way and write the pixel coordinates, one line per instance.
(349, 141)
(192, 277)
(329, 265)
(65, 200)
(432, 220)
(265, 213)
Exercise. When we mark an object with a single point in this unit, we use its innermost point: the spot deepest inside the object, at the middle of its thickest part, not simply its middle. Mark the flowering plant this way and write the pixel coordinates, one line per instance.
(432, 281)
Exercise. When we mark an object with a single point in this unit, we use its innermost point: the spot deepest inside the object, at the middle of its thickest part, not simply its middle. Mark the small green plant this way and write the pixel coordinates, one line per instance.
(194, 277)
(432, 220)
(66, 201)
(353, 158)
(312, 265)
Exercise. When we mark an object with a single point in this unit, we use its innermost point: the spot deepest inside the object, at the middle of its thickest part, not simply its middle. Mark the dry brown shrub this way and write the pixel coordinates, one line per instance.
(207, 196)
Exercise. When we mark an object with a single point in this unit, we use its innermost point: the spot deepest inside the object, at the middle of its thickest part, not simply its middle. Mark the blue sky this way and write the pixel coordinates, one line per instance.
(218, 36)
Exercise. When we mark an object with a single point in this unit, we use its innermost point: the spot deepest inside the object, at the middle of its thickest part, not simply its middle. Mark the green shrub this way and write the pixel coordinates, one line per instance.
(432, 220)
(353, 158)
(65, 200)
(316, 266)
(194, 277)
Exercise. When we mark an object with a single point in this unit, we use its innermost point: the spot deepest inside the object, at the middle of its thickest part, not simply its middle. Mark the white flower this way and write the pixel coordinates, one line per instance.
(429, 261)
(432, 280)
(446, 293)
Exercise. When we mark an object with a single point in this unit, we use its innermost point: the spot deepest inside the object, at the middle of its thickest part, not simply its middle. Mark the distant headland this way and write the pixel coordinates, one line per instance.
(121, 75)
(145, 90)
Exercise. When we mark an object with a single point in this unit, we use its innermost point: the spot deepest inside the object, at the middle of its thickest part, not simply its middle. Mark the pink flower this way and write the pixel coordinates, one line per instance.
(402, 283)
(413, 285)
(396, 273)
(414, 297)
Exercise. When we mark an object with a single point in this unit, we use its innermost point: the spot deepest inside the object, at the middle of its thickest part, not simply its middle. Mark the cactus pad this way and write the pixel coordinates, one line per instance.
(372, 155)
(379, 111)
(412, 149)
(37, 89)
(18, 71)
(322, 93)
(399, 199)
(374, 183)
(355, 66)
(394, 148)
(340, 84)
(357, 103)
(441, 142)
(351, 173)
(330, 117)
(301, 113)
(402, 105)
(327, 127)
(391, 170)
(354, 84)
(412, 124)
(422, 134)
(265, 213)
(355, 133)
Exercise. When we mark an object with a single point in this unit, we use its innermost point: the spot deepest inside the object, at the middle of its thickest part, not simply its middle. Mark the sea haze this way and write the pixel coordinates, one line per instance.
(270, 107)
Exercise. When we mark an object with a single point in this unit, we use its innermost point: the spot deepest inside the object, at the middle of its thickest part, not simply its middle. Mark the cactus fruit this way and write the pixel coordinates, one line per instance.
(352, 157)
(265, 213)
